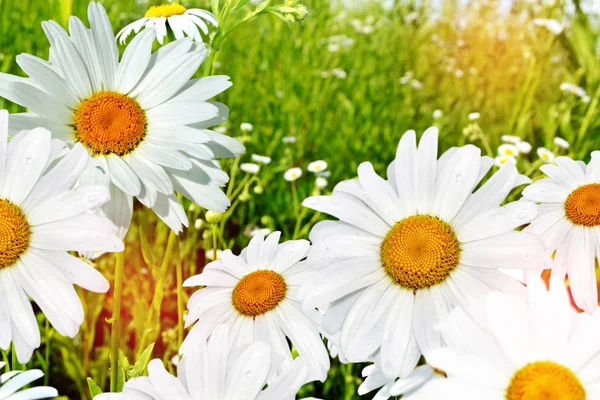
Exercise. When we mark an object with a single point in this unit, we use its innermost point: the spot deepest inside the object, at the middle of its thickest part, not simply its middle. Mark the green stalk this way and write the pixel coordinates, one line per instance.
(116, 320)
(180, 324)
(47, 353)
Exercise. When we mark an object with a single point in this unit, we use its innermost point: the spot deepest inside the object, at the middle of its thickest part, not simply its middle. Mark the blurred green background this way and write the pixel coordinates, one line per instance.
(341, 86)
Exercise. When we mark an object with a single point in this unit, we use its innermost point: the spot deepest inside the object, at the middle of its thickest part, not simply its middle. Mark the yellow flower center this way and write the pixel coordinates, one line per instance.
(420, 251)
(109, 123)
(14, 233)
(258, 292)
(545, 380)
(165, 10)
(583, 205)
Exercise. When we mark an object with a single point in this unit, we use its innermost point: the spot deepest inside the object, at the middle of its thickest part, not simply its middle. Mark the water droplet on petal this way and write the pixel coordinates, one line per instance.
(459, 178)
(29, 160)
(248, 375)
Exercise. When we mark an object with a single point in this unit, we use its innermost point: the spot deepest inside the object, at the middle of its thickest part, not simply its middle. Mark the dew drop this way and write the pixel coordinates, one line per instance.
(459, 178)
(29, 160)
(248, 375)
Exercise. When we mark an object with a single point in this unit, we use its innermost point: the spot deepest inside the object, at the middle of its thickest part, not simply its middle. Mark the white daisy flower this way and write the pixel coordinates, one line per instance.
(508, 150)
(321, 182)
(261, 159)
(560, 142)
(412, 387)
(42, 218)
(539, 350)
(12, 382)
(142, 120)
(339, 73)
(524, 147)
(246, 127)
(573, 89)
(292, 174)
(474, 116)
(408, 249)
(501, 160)
(289, 139)
(256, 294)
(317, 166)
(250, 168)
(552, 25)
(215, 369)
(437, 114)
(183, 22)
(510, 139)
(569, 222)
(545, 155)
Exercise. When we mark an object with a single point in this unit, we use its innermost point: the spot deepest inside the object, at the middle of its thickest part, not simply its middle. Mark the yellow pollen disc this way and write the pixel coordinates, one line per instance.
(545, 380)
(165, 10)
(583, 205)
(420, 251)
(14, 233)
(258, 292)
(109, 123)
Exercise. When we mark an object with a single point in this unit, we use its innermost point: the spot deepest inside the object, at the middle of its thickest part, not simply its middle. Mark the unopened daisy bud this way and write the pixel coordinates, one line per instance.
(290, 18)
(560, 142)
(501, 160)
(474, 116)
(292, 174)
(301, 12)
(213, 217)
(266, 220)
(245, 196)
(210, 254)
(192, 207)
(198, 224)
(258, 189)
(317, 166)
(508, 150)
(524, 147)
(437, 114)
(545, 155)
(510, 139)
(250, 168)
(246, 127)
(321, 182)
(220, 129)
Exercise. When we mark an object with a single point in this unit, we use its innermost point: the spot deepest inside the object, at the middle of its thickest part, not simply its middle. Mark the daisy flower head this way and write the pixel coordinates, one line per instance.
(536, 349)
(142, 120)
(261, 159)
(552, 25)
(292, 174)
(510, 139)
(560, 142)
(256, 293)
(508, 150)
(524, 147)
(183, 22)
(569, 222)
(246, 127)
(12, 382)
(408, 249)
(474, 116)
(42, 218)
(545, 155)
(410, 388)
(501, 160)
(437, 114)
(321, 182)
(317, 166)
(250, 168)
(289, 139)
(216, 369)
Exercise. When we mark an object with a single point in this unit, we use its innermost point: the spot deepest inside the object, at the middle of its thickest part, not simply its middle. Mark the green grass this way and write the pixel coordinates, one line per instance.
(511, 75)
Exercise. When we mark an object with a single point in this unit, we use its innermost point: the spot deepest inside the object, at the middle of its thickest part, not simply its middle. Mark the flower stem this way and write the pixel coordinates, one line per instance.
(116, 320)
(179, 266)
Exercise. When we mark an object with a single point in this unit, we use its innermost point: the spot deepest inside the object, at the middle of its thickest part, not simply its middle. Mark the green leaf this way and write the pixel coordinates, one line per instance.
(147, 253)
(280, 16)
(94, 388)
(123, 366)
(214, 6)
(141, 363)
(262, 6)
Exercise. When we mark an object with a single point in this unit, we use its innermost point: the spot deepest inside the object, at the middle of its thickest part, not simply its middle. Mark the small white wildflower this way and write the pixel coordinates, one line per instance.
(333, 47)
(560, 142)
(501, 160)
(250, 168)
(339, 73)
(367, 29)
(246, 127)
(198, 224)
(220, 129)
(257, 231)
(292, 174)
(524, 147)
(473, 71)
(324, 74)
(411, 17)
(289, 139)
(437, 114)
(552, 25)
(545, 155)
(508, 150)
(510, 139)
(261, 159)
(474, 116)
(586, 99)
(459, 73)
(210, 254)
(573, 89)
(317, 166)
(404, 80)
(321, 182)
(416, 84)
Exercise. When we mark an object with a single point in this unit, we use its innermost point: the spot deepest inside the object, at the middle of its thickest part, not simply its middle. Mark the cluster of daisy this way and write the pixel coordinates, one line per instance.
(408, 78)
(338, 42)
(512, 147)
(575, 90)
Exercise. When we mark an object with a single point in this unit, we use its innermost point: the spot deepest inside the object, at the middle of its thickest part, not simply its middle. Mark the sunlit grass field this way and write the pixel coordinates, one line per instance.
(340, 86)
